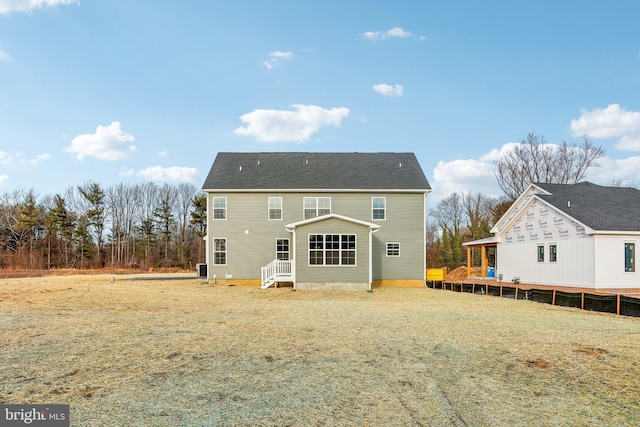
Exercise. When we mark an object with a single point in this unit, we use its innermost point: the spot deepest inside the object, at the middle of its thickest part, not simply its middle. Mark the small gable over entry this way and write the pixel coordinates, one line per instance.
(332, 251)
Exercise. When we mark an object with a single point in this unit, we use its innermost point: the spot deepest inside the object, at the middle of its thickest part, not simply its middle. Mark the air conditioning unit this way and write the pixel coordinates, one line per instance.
(201, 271)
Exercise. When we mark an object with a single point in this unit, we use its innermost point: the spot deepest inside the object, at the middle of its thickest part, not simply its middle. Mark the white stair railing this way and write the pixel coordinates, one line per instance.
(276, 271)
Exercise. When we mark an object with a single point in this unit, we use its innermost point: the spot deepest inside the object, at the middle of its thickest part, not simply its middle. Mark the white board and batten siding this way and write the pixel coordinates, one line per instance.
(538, 224)
(610, 271)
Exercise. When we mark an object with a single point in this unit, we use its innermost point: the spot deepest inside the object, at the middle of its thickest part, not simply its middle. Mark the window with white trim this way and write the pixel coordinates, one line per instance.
(282, 249)
(553, 252)
(540, 253)
(219, 208)
(219, 251)
(629, 257)
(332, 249)
(275, 208)
(316, 206)
(393, 249)
(379, 208)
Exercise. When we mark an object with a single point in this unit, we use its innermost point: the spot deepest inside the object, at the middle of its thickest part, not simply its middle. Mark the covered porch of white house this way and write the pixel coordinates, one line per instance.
(484, 246)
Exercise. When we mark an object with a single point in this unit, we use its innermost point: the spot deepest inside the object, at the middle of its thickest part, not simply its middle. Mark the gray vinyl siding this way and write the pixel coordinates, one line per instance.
(404, 225)
(333, 273)
(246, 253)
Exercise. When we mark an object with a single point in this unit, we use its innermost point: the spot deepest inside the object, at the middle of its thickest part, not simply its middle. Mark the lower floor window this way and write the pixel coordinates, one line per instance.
(630, 257)
(553, 253)
(220, 251)
(332, 249)
(541, 253)
(282, 249)
(393, 249)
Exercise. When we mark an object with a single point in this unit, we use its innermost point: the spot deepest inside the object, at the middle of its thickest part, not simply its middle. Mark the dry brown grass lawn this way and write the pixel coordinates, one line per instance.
(182, 352)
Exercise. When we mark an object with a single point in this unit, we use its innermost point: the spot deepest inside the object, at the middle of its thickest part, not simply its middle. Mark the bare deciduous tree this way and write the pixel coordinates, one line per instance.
(535, 160)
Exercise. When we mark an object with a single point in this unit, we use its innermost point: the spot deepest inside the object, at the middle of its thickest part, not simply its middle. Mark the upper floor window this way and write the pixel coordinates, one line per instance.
(219, 208)
(316, 206)
(275, 207)
(379, 208)
(630, 257)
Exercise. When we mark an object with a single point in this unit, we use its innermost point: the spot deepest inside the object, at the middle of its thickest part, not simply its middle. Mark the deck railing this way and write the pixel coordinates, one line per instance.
(276, 271)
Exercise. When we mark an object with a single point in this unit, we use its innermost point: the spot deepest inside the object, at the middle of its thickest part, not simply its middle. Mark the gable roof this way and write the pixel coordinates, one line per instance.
(313, 220)
(598, 207)
(316, 171)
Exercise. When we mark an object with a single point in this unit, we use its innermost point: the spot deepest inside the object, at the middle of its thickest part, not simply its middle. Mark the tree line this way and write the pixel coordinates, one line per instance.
(149, 225)
(90, 226)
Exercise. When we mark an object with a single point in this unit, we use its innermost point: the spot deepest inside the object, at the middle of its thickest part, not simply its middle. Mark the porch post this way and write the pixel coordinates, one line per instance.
(468, 261)
(484, 261)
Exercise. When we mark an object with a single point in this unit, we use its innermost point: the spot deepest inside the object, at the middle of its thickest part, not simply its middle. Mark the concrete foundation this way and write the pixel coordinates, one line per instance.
(332, 286)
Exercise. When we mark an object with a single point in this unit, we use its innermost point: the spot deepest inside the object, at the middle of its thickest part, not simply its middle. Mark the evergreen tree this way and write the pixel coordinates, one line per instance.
(199, 221)
(95, 213)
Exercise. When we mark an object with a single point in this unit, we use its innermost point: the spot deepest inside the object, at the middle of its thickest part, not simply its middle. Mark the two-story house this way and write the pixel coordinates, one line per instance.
(318, 220)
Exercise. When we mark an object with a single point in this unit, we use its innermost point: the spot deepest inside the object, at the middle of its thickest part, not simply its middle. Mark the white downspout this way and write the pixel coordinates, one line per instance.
(293, 261)
(293, 257)
(424, 239)
(371, 231)
(207, 245)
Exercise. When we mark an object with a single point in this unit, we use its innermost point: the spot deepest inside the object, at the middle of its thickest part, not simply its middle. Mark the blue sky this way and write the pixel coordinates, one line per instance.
(128, 91)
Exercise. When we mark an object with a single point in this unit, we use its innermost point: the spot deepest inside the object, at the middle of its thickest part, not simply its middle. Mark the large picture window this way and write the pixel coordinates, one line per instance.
(219, 208)
(629, 257)
(332, 249)
(316, 206)
(379, 208)
(275, 208)
(219, 251)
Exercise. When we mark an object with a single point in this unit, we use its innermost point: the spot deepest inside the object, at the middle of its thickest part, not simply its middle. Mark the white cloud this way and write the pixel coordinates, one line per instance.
(108, 143)
(476, 175)
(462, 176)
(4, 56)
(610, 122)
(277, 58)
(3, 179)
(8, 6)
(629, 142)
(5, 158)
(625, 170)
(40, 158)
(388, 90)
(172, 174)
(496, 154)
(163, 153)
(124, 171)
(289, 126)
(396, 32)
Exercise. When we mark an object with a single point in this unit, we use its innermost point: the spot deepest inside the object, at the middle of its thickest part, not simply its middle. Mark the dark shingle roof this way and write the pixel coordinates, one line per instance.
(316, 171)
(597, 207)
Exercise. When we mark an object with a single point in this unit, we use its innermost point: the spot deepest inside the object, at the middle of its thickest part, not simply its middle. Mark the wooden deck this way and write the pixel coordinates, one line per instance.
(631, 292)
